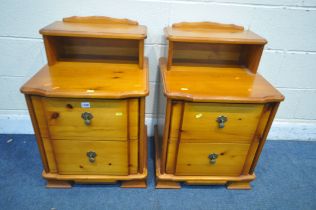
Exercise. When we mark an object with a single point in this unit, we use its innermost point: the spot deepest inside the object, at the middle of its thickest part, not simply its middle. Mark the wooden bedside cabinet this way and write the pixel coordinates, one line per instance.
(88, 104)
(218, 108)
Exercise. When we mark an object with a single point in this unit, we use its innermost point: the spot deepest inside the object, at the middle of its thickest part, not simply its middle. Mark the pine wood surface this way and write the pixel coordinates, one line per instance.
(199, 122)
(71, 157)
(98, 61)
(211, 71)
(56, 180)
(216, 84)
(89, 80)
(97, 27)
(211, 33)
(193, 159)
(112, 119)
(171, 181)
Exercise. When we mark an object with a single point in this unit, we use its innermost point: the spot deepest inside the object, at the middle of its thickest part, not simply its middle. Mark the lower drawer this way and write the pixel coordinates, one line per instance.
(211, 159)
(106, 157)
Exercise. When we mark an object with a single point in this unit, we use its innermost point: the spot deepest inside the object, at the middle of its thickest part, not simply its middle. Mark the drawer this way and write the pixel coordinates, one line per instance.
(201, 122)
(111, 119)
(211, 159)
(72, 157)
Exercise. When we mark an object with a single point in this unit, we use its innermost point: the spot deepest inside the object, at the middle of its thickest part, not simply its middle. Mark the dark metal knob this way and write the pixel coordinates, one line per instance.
(221, 121)
(87, 117)
(91, 155)
(213, 157)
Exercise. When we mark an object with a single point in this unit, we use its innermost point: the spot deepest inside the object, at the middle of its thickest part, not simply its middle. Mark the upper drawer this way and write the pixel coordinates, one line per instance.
(220, 122)
(91, 119)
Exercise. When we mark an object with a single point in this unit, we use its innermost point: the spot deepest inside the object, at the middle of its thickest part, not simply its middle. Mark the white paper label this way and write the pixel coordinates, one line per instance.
(85, 104)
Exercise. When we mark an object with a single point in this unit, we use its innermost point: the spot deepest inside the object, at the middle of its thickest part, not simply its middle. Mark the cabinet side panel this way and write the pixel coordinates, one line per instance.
(133, 156)
(175, 120)
(51, 49)
(257, 137)
(251, 56)
(264, 135)
(50, 155)
(133, 125)
(37, 132)
(173, 138)
(164, 143)
(142, 136)
(171, 156)
(40, 117)
(133, 119)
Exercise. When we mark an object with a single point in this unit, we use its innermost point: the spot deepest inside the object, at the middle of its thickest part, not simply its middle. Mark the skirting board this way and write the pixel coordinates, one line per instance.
(300, 130)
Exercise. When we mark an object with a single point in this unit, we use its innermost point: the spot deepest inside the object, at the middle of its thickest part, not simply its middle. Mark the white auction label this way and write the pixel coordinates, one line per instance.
(85, 104)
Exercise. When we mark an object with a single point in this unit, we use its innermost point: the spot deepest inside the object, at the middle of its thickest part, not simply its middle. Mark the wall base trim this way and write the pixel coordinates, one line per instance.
(299, 130)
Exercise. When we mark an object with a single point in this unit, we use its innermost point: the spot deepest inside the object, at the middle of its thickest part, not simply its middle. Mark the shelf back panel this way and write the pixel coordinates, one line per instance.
(94, 49)
(195, 54)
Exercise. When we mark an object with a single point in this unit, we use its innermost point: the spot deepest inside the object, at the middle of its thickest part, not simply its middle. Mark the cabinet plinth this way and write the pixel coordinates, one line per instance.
(87, 104)
(218, 108)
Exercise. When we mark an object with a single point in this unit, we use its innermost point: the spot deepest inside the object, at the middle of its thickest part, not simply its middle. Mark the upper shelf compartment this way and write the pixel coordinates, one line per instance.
(96, 39)
(208, 43)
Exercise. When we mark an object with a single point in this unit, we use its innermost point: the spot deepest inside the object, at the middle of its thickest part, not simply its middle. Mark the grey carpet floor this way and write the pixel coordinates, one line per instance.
(285, 180)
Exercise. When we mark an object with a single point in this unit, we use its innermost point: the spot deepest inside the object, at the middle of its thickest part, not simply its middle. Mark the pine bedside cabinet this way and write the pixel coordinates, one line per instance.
(88, 104)
(218, 108)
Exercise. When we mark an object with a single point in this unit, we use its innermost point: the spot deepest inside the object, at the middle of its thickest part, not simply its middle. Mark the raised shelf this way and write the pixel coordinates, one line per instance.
(96, 27)
(211, 32)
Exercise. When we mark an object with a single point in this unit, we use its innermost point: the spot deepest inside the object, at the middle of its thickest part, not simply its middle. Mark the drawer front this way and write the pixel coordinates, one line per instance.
(202, 122)
(89, 119)
(106, 157)
(211, 159)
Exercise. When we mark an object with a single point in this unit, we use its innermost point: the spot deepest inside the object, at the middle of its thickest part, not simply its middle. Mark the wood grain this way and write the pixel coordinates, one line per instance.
(99, 19)
(47, 143)
(207, 25)
(37, 132)
(216, 84)
(89, 80)
(211, 33)
(171, 180)
(95, 49)
(71, 157)
(200, 122)
(109, 119)
(193, 159)
(95, 30)
(264, 135)
(51, 47)
(257, 137)
(211, 68)
(98, 61)
(142, 155)
(205, 53)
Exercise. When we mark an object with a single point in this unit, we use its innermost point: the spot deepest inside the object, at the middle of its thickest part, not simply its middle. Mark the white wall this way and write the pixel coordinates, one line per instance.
(289, 60)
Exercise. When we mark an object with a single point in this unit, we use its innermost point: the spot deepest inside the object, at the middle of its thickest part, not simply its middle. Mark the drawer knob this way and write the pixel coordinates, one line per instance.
(213, 157)
(91, 155)
(221, 121)
(87, 117)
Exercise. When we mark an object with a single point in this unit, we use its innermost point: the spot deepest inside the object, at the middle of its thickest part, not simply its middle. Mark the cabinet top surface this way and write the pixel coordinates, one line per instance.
(216, 84)
(210, 32)
(96, 27)
(89, 80)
